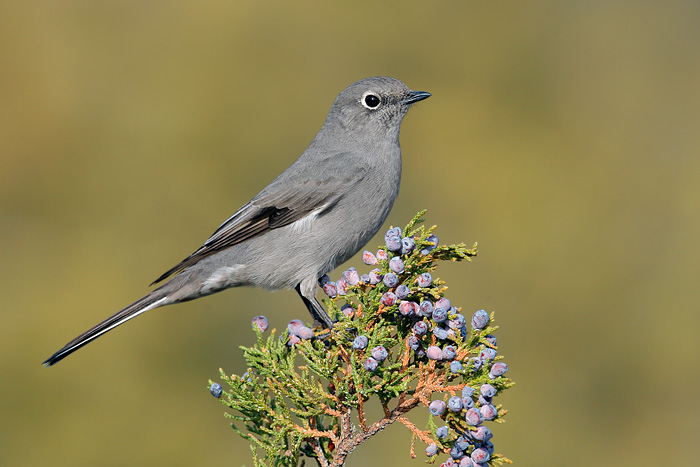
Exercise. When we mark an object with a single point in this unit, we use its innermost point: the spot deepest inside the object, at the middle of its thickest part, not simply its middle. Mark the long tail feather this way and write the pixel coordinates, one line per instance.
(153, 300)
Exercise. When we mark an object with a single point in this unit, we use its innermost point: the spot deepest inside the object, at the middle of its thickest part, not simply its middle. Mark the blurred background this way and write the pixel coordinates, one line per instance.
(562, 136)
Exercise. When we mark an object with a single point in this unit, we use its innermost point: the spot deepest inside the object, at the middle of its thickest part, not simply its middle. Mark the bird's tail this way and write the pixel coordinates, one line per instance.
(154, 299)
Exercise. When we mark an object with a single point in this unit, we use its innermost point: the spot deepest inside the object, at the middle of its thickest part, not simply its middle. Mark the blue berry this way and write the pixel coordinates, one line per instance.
(467, 462)
(473, 417)
(375, 277)
(352, 276)
(449, 353)
(420, 328)
(216, 390)
(393, 243)
(487, 354)
(491, 339)
(462, 443)
(365, 278)
(341, 286)
(379, 353)
(455, 404)
(487, 390)
(475, 363)
(467, 402)
(455, 366)
(293, 340)
(424, 280)
(348, 310)
(467, 391)
(406, 308)
(431, 450)
(382, 255)
(369, 258)
(407, 245)
(488, 411)
(480, 319)
(413, 342)
(402, 291)
(480, 455)
(498, 369)
(360, 342)
(443, 303)
(437, 407)
(393, 232)
(484, 400)
(261, 323)
(458, 322)
(388, 299)
(305, 332)
(440, 333)
(295, 325)
(426, 308)
(329, 289)
(439, 315)
(323, 280)
(391, 280)
(482, 433)
(371, 364)
(442, 432)
(456, 453)
(434, 352)
(428, 248)
(396, 265)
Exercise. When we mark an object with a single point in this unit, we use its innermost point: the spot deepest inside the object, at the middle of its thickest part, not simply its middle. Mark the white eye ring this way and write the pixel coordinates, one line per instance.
(371, 100)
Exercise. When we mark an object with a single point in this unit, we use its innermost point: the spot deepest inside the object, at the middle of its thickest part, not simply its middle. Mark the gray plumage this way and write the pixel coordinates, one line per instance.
(314, 216)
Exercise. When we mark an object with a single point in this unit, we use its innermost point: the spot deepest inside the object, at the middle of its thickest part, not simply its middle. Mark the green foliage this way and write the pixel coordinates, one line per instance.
(309, 399)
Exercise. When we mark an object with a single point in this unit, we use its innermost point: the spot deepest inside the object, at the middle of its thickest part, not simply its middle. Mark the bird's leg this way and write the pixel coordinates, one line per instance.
(317, 312)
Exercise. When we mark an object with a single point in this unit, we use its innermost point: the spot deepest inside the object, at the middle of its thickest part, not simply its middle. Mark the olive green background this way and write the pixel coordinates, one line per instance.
(562, 136)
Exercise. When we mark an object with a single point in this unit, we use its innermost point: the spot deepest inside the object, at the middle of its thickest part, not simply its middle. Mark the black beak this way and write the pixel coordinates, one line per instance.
(415, 96)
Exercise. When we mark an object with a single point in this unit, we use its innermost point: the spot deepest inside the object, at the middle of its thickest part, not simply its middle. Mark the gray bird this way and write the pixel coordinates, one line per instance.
(314, 216)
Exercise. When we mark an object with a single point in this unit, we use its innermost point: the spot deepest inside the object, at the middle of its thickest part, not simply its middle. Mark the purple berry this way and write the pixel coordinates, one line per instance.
(393, 243)
(431, 450)
(394, 231)
(348, 310)
(487, 354)
(261, 323)
(405, 308)
(498, 369)
(473, 417)
(475, 363)
(449, 353)
(443, 303)
(426, 308)
(467, 391)
(382, 255)
(455, 366)
(293, 340)
(420, 328)
(437, 407)
(458, 322)
(391, 280)
(365, 278)
(329, 289)
(434, 352)
(341, 286)
(352, 276)
(360, 342)
(424, 280)
(442, 432)
(323, 280)
(480, 455)
(487, 390)
(455, 404)
(388, 299)
(305, 332)
(379, 353)
(216, 390)
(371, 364)
(294, 325)
(439, 315)
(491, 339)
(402, 291)
(407, 245)
(375, 276)
(396, 265)
(480, 319)
(488, 411)
(466, 462)
(456, 453)
(428, 248)
(413, 342)
(467, 402)
(369, 258)
(482, 433)
(440, 333)
(462, 443)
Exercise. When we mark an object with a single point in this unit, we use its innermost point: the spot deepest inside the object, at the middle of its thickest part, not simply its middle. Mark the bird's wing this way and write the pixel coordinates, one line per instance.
(291, 197)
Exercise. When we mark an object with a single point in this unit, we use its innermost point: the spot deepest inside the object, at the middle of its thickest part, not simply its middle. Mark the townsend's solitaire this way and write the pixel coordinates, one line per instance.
(314, 216)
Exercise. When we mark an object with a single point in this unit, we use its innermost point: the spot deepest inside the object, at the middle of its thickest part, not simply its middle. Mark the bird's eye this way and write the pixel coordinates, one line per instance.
(371, 101)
